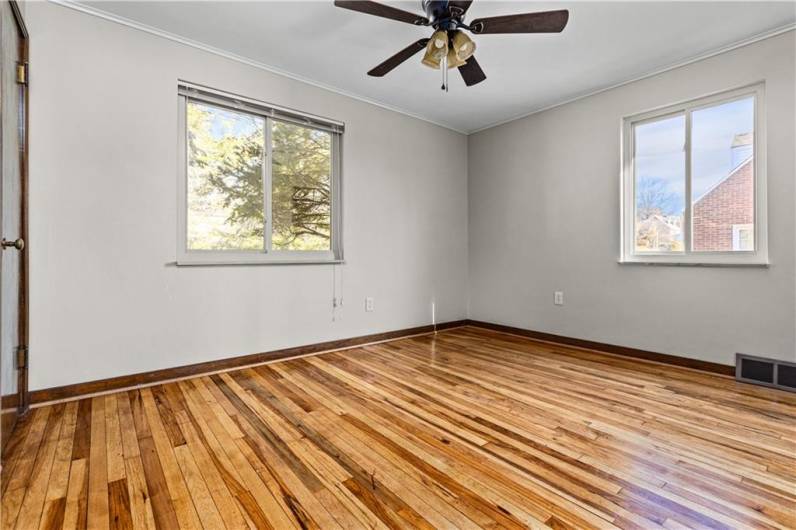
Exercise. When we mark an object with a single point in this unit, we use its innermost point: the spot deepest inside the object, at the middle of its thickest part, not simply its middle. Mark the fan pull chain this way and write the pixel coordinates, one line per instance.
(337, 293)
(444, 74)
(334, 292)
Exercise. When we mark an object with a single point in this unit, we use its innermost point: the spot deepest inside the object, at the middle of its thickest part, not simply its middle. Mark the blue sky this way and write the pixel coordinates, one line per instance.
(224, 122)
(660, 154)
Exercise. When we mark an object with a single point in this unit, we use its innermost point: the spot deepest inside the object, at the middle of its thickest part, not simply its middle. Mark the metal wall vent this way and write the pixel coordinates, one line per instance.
(766, 372)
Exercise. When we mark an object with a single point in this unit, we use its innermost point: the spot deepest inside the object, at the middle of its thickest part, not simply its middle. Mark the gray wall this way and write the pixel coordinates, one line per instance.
(106, 299)
(544, 216)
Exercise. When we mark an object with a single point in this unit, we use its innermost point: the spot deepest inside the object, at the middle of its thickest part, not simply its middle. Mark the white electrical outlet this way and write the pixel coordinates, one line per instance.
(369, 303)
(558, 298)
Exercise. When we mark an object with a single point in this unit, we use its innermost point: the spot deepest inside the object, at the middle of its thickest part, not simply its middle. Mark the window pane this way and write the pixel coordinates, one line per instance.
(301, 184)
(722, 176)
(225, 179)
(660, 185)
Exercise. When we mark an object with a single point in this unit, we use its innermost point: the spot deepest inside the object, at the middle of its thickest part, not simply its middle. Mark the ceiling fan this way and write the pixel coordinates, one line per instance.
(449, 46)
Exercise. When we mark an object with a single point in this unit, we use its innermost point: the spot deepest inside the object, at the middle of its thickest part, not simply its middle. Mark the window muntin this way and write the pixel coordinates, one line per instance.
(708, 151)
(257, 185)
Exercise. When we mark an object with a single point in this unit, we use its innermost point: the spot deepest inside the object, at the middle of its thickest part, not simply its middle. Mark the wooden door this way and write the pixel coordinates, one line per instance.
(13, 216)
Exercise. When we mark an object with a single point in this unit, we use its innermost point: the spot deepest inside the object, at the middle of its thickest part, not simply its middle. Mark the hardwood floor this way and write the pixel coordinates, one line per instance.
(469, 428)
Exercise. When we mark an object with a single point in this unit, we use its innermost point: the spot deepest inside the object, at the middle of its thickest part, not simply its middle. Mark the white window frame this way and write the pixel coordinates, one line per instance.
(269, 113)
(756, 257)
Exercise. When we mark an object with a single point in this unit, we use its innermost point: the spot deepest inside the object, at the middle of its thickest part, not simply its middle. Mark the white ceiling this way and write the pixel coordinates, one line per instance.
(605, 43)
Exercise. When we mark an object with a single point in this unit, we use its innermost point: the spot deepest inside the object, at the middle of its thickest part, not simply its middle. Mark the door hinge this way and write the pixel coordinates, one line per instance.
(22, 73)
(22, 357)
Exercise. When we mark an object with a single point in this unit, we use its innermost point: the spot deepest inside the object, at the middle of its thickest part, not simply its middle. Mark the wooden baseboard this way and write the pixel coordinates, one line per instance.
(155, 376)
(144, 378)
(9, 401)
(686, 362)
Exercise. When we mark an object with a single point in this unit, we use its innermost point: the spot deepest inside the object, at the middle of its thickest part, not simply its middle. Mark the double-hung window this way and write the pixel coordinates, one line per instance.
(693, 182)
(257, 183)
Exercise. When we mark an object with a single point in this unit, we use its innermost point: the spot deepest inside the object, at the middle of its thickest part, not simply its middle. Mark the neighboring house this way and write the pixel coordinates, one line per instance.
(660, 232)
(723, 218)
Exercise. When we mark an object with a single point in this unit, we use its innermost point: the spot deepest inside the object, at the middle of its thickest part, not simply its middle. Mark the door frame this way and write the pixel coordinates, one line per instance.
(22, 326)
(20, 400)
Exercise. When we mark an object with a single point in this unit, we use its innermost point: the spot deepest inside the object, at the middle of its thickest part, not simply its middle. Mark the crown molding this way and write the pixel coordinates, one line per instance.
(702, 56)
(90, 10)
(72, 4)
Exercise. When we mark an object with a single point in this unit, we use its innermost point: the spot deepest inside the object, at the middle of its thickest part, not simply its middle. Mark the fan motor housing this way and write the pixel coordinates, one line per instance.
(441, 15)
(435, 9)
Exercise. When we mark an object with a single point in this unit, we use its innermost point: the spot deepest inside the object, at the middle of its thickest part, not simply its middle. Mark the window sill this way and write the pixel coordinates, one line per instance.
(655, 263)
(234, 263)
(213, 258)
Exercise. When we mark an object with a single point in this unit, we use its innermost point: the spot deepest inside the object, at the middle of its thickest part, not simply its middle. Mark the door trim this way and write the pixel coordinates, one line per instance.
(22, 324)
(21, 399)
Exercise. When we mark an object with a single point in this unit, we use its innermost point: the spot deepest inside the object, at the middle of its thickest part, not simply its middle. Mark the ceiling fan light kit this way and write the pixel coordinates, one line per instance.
(462, 45)
(436, 50)
(453, 45)
(449, 46)
(454, 60)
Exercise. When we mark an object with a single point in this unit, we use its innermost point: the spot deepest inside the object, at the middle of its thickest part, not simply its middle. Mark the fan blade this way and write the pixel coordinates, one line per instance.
(541, 22)
(388, 65)
(459, 7)
(471, 72)
(381, 10)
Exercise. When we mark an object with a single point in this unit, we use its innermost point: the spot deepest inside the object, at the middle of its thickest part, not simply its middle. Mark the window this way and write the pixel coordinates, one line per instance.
(743, 237)
(258, 184)
(693, 182)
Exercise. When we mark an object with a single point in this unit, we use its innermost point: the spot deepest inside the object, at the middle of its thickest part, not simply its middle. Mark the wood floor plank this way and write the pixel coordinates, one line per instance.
(455, 454)
(138, 493)
(16, 483)
(113, 440)
(181, 500)
(77, 496)
(431, 481)
(33, 503)
(163, 511)
(461, 429)
(255, 494)
(120, 516)
(350, 405)
(11, 454)
(551, 468)
(57, 488)
(224, 501)
(197, 487)
(98, 515)
(272, 458)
